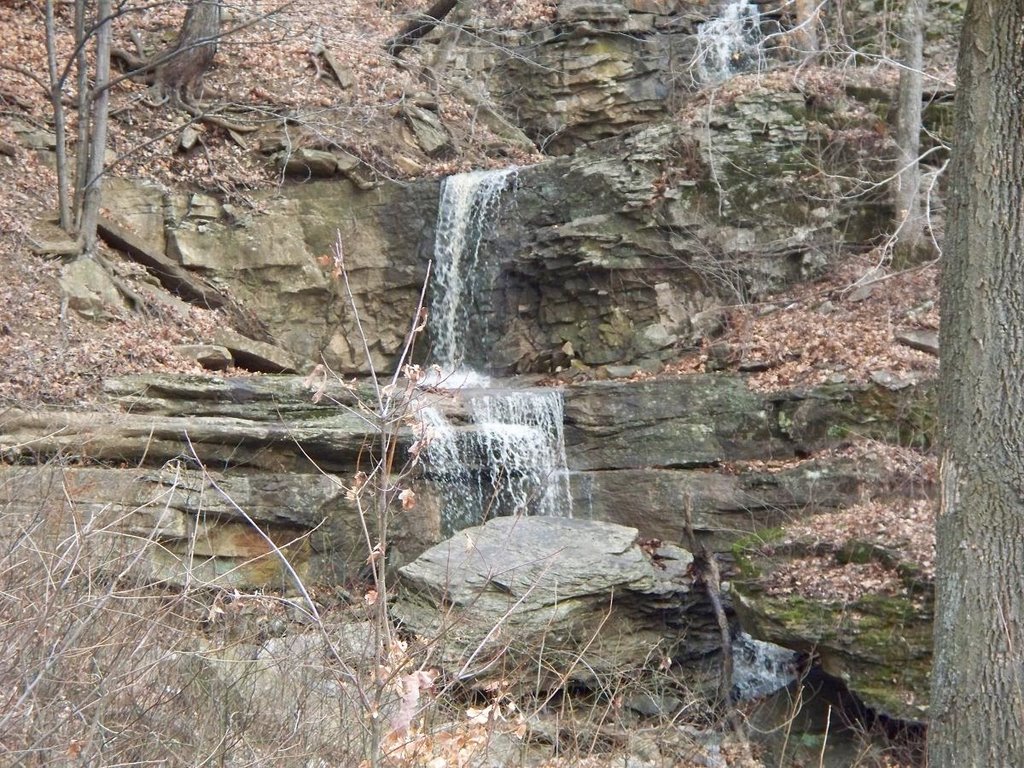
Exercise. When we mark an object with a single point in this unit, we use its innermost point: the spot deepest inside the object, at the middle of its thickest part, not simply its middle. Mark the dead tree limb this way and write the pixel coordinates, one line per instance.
(706, 570)
(171, 275)
(419, 26)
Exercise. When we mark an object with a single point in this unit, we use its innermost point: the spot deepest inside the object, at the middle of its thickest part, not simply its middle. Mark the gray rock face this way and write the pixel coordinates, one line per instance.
(705, 420)
(608, 66)
(548, 601)
(205, 478)
(176, 524)
(618, 254)
(723, 505)
(686, 422)
(638, 453)
(622, 252)
(277, 265)
(605, 67)
(277, 466)
(879, 644)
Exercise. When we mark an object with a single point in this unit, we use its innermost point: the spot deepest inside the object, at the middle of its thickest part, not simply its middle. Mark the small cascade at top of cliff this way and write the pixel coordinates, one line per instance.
(510, 457)
(730, 43)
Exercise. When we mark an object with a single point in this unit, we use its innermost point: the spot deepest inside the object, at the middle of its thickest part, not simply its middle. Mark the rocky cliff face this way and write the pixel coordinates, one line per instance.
(620, 253)
(607, 66)
(656, 446)
(207, 480)
(656, 207)
(603, 68)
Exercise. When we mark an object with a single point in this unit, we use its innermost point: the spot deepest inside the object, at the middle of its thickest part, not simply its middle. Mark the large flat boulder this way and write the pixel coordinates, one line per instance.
(549, 601)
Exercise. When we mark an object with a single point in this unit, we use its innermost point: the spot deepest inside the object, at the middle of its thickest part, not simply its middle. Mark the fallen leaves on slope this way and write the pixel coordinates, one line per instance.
(876, 546)
(270, 70)
(839, 330)
(821, 577)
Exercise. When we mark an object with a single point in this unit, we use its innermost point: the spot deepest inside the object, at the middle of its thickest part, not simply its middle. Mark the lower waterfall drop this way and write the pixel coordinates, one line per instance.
(523, 437)
(509, 459)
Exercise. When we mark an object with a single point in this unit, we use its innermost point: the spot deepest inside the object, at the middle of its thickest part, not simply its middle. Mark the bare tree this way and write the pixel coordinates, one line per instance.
(978, 676)
(179, 71)
(192, 54)
(98, 135)
(79, 208)
(911, 241)
(56, 95)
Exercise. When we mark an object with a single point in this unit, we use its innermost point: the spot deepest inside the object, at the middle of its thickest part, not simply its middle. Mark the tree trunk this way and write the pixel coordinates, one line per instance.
(978, 677)
(192, 54)
(98, 139)
(84, 123)
(911, 244)
(59, 121)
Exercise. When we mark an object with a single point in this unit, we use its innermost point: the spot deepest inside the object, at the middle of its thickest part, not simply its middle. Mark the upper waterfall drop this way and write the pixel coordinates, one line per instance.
(468, 203)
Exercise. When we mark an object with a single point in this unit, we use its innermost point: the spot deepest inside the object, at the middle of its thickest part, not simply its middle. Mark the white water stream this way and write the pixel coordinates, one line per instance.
(509, 460)
(760, 668)
(468, 204)
(730, 43)
(510, 457)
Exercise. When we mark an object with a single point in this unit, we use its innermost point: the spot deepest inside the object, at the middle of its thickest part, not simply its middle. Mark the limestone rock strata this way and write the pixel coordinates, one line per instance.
(722, 505)
(205, 477)
(615, 254)
(704, 420)
(638, 452)
(174, 524)
(607, 66)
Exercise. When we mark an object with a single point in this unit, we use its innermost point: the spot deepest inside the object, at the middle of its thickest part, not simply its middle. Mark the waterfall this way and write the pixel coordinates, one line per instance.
(510, 458)
(729, 44)
(468, 202)
(760, 668)
(522, 438)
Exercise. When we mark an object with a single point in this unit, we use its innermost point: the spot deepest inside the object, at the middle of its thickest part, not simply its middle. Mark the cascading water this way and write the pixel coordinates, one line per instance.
(507, 457)
(508, 460)
(510, 457)
(760, 668)
(730, 43)
(468, 203)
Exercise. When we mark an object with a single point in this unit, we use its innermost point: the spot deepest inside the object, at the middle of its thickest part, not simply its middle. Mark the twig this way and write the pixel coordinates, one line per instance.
(705, 566)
